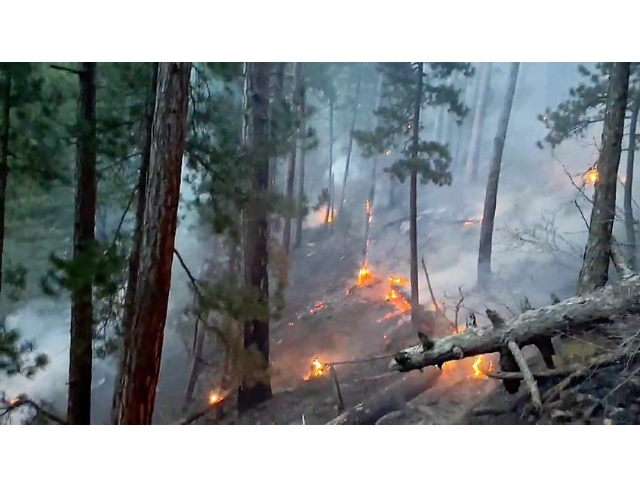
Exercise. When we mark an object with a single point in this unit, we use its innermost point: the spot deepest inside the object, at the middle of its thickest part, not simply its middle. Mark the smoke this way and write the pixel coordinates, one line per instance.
(48, 321)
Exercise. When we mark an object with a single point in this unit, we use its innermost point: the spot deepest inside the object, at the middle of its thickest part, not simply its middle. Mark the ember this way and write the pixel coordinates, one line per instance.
(591, 176)
(317, 307)
(214, 398)
(317, 369)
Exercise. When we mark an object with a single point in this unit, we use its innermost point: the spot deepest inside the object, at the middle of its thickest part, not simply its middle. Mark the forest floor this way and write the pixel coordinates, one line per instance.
(330, 319)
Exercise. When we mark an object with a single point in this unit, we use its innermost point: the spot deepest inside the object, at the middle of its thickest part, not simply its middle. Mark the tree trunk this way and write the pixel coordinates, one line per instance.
(256, 386)
(143, 352)
(391, 398)
(291, 174)
(4, 160)
(297, 243)
(134, 258)
(437, 127)
(277, 119)
(475, 143)
(329, 211)
(578, 313)
(354, 117)
(413, 200)
(629, 223)
(372, 187)
(491, 194)
(595, 266)
(81, 345)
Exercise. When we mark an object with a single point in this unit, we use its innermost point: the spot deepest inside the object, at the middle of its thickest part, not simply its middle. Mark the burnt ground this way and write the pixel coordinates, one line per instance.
(325, 321)
(329, 318)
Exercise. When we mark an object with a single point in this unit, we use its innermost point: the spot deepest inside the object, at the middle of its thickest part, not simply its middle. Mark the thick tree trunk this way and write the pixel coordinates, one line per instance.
(413, 199)
(143, 352)
(256, 386)
(629, 222)
(595, 266)
(473, 156)
(303, 154)
(4, 160)
(81, 345)
(329, 212)
(354, 118)
(571, 315)
(491, 194)
(291, 173)
(392, 398)
(134, 258)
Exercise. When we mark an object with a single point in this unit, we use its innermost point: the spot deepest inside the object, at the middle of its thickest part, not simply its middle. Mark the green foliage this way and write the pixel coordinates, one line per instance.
(585, 106)
(394, 128)
(17, 355)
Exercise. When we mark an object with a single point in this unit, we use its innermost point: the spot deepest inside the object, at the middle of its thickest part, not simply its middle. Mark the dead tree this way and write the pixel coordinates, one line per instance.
(391, 398)
(578, 313)
(595, 266)
(291, 173)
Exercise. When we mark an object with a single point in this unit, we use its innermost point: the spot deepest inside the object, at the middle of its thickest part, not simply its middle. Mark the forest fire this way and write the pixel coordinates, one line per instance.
(393, 296)
(364, 276)
(477, 372)
(591, 176)
(317, 369)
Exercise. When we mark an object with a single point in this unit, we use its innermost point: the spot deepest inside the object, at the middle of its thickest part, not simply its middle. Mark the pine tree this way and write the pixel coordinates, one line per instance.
(143, 352)
(407, 89)
(595, 267)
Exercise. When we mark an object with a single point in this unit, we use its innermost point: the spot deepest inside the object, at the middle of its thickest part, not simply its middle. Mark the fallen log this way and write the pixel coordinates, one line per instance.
(391, 398)
(576, 313)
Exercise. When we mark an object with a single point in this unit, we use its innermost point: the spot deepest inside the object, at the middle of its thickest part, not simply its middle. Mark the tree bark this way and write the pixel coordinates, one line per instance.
(354, 118)
(81, 345)
(413, 199)
(134, 258)
(629, 222)
(255, 387)
(297, 243)
(291, 174)
(372, 187)
(595, 266)
(475, 143)
(578, 313)
(392, 398)
(491, 194)
(143, 352)
(4, 161)
(329, 211)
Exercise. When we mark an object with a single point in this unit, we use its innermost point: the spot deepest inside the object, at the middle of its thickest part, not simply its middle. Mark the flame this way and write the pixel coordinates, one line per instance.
(364, 276)
(392, 295)
(317, 369)
(330, 219)
(477, 373)
(468, 223)
(369, 208)
(316, 307)
(13, 401)
(591, 176)
(214, 398)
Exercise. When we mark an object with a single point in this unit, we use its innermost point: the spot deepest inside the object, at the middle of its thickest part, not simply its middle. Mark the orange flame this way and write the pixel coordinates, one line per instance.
(317, 369)
(592, 176)
(393, 296)
(214, 398)
(364, 276)
(477, 373)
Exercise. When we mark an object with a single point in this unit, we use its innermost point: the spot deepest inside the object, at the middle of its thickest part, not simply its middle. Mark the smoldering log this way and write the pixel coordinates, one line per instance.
(577, 313)
(391, 398)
